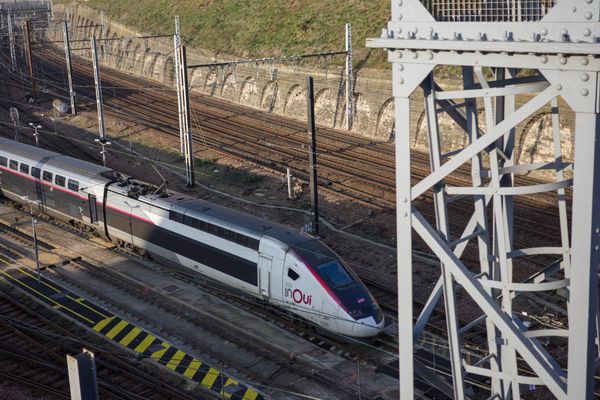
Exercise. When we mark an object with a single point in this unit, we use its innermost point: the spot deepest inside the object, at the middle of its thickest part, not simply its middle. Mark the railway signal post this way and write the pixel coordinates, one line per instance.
(312, 156)
(29, 54)
(183, 96)
(515, 58)
(69, 66)
(99, 101)
(349, 79)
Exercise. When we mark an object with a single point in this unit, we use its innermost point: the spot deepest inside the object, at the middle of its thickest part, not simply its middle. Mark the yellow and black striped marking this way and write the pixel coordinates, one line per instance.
(126, 334)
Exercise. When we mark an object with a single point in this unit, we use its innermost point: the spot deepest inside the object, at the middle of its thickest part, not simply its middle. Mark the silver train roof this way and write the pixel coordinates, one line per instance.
(55, 160)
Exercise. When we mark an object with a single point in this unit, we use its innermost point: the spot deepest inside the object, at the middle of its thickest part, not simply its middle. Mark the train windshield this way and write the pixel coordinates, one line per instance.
(335, 274)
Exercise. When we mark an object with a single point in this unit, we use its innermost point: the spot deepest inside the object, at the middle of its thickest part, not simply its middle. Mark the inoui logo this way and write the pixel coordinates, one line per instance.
(298, 296)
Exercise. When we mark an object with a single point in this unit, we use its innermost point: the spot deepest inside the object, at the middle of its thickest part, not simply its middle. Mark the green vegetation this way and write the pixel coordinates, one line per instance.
(259, 28)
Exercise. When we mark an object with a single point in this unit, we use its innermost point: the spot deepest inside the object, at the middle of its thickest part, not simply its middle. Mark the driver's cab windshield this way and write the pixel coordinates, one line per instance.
(335, 274)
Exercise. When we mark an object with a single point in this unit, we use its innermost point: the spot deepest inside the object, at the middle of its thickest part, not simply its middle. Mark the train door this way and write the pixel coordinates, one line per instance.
(264, 275)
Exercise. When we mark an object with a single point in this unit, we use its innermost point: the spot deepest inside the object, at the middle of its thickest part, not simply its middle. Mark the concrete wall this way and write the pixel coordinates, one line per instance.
(280, 88)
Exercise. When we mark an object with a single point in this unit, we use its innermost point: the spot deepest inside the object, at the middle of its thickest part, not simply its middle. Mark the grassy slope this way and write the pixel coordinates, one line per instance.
(255, 28)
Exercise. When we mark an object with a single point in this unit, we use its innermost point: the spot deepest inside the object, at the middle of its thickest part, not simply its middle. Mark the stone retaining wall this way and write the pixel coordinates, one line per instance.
(281, 89)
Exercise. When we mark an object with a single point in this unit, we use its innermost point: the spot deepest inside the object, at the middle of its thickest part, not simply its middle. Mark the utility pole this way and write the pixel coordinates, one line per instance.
(349, 79)
(314, 196)
(11, 38)
(183, 95)
(69, 66)
(99, 102)
(29, 54)
(176, 45)
(35, 242)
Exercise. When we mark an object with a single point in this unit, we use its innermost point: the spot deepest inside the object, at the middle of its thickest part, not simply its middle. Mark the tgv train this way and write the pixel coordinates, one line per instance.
(285, 268)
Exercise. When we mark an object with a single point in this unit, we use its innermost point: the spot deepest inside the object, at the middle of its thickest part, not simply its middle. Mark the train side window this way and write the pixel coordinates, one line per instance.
(24, 168)
(3, 161)
(252, 243)
(176, 216)
(199, 224)
(73, 185)
(224, 233)
(293, 275)
(59, 180)
(47, 176)
(13, 164)
(36, 172)
(213, 229)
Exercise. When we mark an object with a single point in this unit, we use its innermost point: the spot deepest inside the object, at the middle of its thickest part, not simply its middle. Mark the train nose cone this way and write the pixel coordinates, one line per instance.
(367, 327)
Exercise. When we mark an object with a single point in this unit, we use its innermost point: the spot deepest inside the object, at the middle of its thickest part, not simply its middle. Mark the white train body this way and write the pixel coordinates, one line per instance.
(288, 269)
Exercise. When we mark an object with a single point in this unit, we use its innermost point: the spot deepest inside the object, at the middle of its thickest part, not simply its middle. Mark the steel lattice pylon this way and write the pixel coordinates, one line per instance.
(557, 41)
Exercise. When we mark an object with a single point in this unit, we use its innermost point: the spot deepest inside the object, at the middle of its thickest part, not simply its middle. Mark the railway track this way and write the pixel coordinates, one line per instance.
(34, 343)
(348, 160)
(209, 330)
(350, 165)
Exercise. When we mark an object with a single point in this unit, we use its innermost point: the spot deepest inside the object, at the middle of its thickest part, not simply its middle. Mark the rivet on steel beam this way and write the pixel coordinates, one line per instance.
(587, 32)
(543, 59)
(399, 2)
(562, 59)
(400, 67)
(585, 92)
(564, 32)
(406, 215)
(585, 61)
(415, 54)
(588, 15)
(399, 16)
(430, 55)
(401, 81)
(589, 1)
(573, 9)
(559, 87)
(544, 31)
(404, 200)
(585, 77)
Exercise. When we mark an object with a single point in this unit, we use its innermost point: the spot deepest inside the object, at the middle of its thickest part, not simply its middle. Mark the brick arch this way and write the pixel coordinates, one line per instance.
(249, 92)
(87, 29)
(113, 47)
(535, 142)
(211, 82)
(127, 54)
(385, 120)
(325, 107)
(168, 75)
(150, 61)
(197, 78)
(229, 87)
(135, 57)
(268, 97)
(295, 102)
(362, 113)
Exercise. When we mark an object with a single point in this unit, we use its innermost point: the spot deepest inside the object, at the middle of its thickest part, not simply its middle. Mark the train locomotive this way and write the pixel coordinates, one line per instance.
(285, 268)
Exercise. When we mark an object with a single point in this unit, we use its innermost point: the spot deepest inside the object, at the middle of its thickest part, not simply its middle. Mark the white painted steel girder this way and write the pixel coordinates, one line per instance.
(560, 42)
